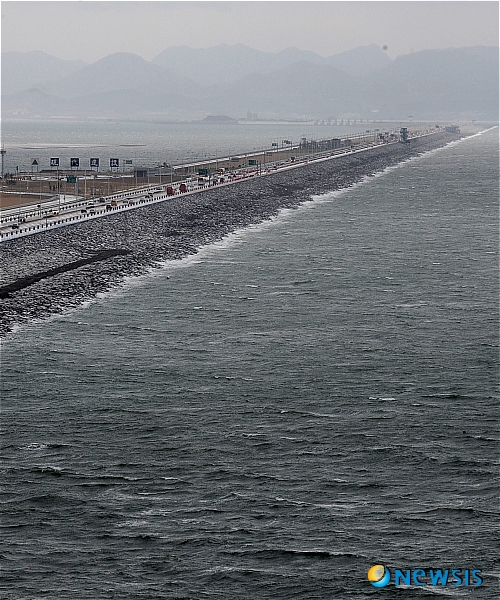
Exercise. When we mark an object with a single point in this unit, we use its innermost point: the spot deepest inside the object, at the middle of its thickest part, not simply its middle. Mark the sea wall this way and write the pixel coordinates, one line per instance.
(51, 271)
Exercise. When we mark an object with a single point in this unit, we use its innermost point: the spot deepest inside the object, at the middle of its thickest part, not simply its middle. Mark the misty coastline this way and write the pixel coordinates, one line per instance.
(52, 271)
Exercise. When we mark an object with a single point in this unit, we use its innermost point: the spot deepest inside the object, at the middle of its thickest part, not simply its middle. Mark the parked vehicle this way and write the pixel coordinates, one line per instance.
(182, 188)
(170, 191)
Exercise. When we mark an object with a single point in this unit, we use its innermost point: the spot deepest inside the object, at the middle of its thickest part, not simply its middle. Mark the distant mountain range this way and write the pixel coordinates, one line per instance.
(183, 84)
(226, 64)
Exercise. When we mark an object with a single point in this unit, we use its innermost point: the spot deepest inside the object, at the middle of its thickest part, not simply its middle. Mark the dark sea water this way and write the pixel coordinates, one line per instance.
(270, 418)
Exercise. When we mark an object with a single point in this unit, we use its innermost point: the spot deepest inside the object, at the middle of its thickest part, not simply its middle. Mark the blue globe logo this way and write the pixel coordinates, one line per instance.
(379, 576)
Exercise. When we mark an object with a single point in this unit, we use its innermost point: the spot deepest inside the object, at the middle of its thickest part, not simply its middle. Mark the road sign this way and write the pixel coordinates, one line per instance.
(70, 179)
(114, 163)
(94, 163)
(34, 163)
(74, 162)
(54, 162)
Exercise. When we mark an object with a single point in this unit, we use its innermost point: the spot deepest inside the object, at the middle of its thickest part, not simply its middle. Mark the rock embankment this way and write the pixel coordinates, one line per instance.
(48, 272)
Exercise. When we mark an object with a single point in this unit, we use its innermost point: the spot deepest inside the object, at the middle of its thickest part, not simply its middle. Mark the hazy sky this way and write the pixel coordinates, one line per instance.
(89, 30)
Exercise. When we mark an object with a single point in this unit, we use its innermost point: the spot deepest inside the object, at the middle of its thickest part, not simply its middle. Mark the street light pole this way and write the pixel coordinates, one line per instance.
(58, 192)
(3, 152)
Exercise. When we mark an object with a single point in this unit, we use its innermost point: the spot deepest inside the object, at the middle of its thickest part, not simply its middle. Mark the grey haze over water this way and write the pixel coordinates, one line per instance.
(178, 61)
(272, 416)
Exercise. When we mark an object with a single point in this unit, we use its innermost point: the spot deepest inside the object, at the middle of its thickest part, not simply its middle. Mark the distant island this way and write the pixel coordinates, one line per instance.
(219, 119)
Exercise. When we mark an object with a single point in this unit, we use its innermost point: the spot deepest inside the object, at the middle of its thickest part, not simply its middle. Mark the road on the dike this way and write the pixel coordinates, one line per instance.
(64, 210)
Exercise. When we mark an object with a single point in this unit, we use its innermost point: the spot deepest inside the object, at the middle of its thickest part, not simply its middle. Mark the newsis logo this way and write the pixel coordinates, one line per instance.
(379, 576)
